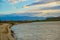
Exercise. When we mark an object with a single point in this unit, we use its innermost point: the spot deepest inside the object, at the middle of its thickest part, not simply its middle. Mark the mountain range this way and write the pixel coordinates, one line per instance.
(17, 17)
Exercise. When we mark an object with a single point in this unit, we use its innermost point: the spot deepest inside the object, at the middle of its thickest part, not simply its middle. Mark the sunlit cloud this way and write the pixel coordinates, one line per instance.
(51, 4)
(40, 13)
(44, 12)
(38, 10)
(38, 7)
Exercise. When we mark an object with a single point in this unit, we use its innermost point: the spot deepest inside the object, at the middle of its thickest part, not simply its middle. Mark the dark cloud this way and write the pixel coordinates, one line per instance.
(42, 2)
(52, 8)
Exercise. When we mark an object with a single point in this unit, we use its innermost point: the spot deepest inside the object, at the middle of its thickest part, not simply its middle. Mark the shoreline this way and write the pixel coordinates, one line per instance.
(22, 31)
(6, 31)
(16, 22)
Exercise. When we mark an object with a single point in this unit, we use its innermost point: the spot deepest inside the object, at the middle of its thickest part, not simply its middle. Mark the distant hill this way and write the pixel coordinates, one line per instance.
(54, 18)
(17, 17)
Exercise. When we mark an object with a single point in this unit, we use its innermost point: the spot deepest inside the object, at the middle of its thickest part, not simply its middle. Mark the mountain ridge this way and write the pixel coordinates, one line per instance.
(17, 17)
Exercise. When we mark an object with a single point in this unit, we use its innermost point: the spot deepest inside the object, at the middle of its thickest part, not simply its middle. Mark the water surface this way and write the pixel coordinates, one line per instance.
(37, 31)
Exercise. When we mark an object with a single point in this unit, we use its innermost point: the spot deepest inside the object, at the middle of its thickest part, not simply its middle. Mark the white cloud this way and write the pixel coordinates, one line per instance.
(22, 0)
(45, 12)
(38, 0)
(16, 1)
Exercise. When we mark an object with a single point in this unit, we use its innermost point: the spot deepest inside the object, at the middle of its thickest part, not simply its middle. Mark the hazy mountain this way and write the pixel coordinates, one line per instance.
(17, 17)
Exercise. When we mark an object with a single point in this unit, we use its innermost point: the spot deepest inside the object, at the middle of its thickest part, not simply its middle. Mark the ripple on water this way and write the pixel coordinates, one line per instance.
(37, 31)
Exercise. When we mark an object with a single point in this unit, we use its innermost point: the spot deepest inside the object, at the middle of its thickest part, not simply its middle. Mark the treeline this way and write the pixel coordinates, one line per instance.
(54, 19)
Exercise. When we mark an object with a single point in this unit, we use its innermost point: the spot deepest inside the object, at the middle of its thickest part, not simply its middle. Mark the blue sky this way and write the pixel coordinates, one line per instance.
(7, 6)
(43, 7)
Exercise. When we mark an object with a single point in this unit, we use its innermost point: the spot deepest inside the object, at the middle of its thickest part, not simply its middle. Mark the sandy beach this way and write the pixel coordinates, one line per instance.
(5, 32)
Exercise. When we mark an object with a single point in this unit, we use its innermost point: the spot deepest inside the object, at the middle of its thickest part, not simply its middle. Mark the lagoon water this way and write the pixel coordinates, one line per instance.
(37, 31)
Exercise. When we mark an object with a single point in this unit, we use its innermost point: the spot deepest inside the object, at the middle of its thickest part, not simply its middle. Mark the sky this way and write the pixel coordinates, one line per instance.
(31, 7)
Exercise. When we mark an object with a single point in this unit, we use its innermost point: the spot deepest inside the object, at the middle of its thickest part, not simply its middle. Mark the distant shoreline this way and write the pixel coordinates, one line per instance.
(21, 22)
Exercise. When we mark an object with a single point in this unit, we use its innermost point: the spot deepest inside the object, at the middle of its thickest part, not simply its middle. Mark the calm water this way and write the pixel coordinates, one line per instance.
(37, 31)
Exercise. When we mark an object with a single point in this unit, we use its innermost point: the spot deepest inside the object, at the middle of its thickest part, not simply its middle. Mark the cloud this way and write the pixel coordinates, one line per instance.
(51, 4)
(51, 8)
(39, 13)
(52, 14)
(38, 0)
(48, 15)
(46, 1)
(16, 1)
(38, 9)
(45, 12)
(42, 2)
